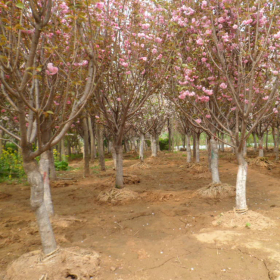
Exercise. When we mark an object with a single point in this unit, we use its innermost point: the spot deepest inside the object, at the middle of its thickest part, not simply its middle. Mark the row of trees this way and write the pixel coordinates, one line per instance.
(130, 65)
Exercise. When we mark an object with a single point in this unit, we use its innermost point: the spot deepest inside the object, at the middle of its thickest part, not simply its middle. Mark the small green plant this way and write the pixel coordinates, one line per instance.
(248, 225)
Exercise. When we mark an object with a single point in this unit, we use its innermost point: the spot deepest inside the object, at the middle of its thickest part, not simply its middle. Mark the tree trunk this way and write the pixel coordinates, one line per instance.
(1, 141)
(44, 167)
(197, 156)
(119, 167)
(184, 141)
(52, 166)
(63, 154)
(222, 143)
(241, 204)
(194, 146)
(113, 152)
(154, 146)
(86, 148)
(37, 203)
(69, 147)
(92, 140)
(170, 135)
(255, 142)
(188, 148)
(158, 146)
(100, 147)
(214, 161)
(266, 141)
(261, 153)
(141, 147)
(276, 143)
(245, 149)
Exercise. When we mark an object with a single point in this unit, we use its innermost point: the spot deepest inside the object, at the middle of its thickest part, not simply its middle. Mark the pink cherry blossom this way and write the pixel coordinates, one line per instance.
(275, 111)
(223, 86)
(51, 70)
(208, 116)
(119, 99)
(143, 58)
(154, 51)
(200, 41)
(3, 111)
(198, 121)
(99, 5)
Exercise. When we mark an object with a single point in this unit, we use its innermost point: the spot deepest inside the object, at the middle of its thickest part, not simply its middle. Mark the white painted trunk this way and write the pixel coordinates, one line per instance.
(241, 183)
(44, 166)
(113, 152)
(37, 203)
(261, 153)
(141, 147)
(188, 148)
(214, 161)
(86, 154)
(154, 146)
(119, 167)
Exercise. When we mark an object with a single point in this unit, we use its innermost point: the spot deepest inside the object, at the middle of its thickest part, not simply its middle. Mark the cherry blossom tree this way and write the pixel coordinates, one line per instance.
(43, 90)
(233, 47)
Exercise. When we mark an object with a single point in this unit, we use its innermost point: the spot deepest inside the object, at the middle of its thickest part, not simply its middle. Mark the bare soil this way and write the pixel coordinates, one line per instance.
(156, 228)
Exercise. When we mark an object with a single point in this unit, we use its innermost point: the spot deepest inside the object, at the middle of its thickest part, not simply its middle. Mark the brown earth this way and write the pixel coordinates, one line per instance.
(157, 228)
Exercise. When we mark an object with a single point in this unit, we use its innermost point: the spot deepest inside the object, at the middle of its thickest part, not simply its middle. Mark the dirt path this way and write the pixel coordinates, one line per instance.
(167, 233)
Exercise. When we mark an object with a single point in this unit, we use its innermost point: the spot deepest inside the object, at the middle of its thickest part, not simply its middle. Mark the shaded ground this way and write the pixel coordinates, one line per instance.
(166, 232)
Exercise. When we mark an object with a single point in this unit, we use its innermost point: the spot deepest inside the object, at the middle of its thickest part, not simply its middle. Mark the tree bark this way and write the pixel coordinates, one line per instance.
(86, 148)
(100, 147)
(222, 143)
(44, 167)
(170, 136)
(266, 141)
(188, 148)
(52, 166)
(261, 153)
(37, 203)
(197, 155)
(141, 147)
(276, 143)
(92, 140)
(1, 141)
(113, 152)
(214, 161)
(119, 167)
(154, 146)
(255, 142)
(241, 182)
(194, 146)
(62, 151)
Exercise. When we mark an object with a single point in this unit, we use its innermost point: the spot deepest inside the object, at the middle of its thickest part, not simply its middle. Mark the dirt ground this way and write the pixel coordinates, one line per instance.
(159, 229)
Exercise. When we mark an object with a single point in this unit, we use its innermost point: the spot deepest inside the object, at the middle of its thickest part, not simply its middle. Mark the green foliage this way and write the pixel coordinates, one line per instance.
(11, 163)
(148, 143)
(61, 165)
(163, 143)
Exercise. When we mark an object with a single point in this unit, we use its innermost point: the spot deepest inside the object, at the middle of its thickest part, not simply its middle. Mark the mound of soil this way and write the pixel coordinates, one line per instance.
(251, 220)
(215, 190)
(66, 263)
(117, 195)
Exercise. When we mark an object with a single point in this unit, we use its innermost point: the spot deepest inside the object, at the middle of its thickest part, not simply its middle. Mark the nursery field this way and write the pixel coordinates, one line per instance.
(158, 227)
